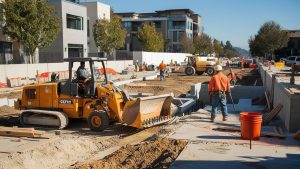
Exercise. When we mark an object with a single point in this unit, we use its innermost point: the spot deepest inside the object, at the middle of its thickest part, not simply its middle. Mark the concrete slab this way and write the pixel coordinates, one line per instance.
(207, 155)
(208, 148)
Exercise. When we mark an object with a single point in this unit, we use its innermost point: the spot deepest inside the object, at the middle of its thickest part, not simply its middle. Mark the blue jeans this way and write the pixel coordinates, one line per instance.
(218, 100)
(162, 75)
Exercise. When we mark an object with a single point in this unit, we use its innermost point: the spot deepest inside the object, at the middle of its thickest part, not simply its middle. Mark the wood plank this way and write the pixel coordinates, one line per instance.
(20, 132)
(268, 117)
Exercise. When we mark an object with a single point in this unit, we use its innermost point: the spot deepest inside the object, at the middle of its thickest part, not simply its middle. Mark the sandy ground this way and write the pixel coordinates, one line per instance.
(79, 147)
(5, 110)
(179, 83)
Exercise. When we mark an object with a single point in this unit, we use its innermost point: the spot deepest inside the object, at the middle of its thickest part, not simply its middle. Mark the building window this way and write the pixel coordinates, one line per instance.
(88, 28)
(157, 24)
(75, 50)
(5, 52)
(127, 24)
(75, 1)
(74, 22)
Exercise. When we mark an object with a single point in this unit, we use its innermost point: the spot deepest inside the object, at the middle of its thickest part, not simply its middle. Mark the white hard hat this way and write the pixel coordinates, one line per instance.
(218, 68)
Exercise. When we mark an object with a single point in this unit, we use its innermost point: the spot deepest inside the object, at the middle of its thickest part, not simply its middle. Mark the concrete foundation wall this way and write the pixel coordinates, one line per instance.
(237, 92)
(280, 94)
(283, 97)
(155, 58)
(30, 70)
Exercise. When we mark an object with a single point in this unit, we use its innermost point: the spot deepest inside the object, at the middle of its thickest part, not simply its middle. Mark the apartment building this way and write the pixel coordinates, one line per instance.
(172, 23)
(76, 36)
(95, 11)
(293, 47)
(72, 38)
(10, 51)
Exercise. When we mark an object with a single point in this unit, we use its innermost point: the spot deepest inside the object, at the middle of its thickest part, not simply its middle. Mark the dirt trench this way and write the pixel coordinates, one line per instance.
(158, 153)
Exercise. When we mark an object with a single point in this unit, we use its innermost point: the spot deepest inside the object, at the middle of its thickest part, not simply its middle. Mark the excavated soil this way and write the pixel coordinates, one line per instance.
(5, 110)
(177, 84)
(180, 83)
(159, 153)
(11, 95)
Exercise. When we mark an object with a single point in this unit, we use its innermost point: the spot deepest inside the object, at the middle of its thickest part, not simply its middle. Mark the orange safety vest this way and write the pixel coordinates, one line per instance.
(162, 66)
(219, 82)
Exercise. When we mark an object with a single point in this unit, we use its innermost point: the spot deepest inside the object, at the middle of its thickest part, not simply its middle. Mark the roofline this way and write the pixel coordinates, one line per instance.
(170, 10)
(76, 59)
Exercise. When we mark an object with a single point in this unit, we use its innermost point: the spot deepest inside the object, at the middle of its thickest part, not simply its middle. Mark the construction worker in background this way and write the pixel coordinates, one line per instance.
(136, 65)
(232, 77)
(243, 62)
(162, 70)
(218, 87)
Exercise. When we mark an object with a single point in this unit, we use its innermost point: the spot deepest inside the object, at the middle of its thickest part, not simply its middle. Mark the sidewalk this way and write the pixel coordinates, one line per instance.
(208, 149)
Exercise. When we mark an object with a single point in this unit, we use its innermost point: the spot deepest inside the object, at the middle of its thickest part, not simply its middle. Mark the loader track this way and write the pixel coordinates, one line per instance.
(44, 118)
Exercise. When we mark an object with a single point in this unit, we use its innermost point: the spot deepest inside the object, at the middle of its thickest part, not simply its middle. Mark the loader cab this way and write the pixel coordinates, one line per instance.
(73, 86)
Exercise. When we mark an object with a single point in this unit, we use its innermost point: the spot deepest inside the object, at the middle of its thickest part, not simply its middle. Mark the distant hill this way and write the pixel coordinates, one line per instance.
(243, 52)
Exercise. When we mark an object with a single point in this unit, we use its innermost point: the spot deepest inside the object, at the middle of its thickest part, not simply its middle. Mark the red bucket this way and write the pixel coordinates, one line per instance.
(250, 125)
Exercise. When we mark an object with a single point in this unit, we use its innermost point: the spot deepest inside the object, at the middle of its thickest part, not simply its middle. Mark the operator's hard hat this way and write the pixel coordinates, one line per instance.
(218, 68)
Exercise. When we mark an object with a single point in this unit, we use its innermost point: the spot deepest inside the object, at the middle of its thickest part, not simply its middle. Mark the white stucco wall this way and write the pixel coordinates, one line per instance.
(29, 70)
(73, 36)
(155, 58)
(95, 10)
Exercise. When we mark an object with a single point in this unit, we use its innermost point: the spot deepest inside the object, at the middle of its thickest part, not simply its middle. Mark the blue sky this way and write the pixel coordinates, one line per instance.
(233, 20)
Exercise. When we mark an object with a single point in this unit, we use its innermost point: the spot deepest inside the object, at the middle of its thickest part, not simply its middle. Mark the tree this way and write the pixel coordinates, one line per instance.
(228, 45)
(269, 38)
(31, 23)
(109, 34)
(151, 40)
(186, 44)
(203, 44)
(218, 47)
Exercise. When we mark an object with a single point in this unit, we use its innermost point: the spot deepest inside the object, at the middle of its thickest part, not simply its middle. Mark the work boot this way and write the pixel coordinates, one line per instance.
(225, 118)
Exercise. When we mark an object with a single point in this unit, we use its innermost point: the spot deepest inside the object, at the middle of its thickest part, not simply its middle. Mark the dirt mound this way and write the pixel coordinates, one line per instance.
(11, 95)
(7, 110)
(149, 89)
(159, 153)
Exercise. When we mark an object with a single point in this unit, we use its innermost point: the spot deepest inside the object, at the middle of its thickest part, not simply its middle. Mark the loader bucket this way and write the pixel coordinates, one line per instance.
(147, 111)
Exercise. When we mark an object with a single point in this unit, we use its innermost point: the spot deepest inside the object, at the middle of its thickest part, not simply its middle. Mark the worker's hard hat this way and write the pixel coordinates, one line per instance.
(218, 68)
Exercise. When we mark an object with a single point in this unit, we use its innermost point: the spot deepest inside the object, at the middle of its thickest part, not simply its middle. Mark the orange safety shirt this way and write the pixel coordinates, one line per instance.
(233, 76)
(219, 82)
(162, 66)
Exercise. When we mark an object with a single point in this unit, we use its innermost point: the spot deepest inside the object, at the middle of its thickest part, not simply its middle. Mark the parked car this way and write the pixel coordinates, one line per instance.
(291, 60)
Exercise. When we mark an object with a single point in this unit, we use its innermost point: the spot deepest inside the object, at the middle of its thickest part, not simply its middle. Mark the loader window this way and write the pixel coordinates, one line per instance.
(31, 94)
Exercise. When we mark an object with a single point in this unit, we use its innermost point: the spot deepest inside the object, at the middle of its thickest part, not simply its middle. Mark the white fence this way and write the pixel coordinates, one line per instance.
(155, 58)
(30, 70)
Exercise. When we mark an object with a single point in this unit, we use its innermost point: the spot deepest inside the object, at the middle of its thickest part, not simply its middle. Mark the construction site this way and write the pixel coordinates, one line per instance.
(140, 121)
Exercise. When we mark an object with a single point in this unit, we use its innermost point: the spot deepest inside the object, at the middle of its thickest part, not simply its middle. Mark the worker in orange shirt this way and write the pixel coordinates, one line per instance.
(232, 77)
(218, 87)
(162, 70)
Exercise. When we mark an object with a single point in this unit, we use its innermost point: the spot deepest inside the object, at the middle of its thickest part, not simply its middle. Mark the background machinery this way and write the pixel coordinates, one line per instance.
(200, 64)
(52, 104)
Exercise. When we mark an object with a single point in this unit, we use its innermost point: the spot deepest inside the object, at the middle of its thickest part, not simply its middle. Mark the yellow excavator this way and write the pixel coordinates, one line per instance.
(52, 104)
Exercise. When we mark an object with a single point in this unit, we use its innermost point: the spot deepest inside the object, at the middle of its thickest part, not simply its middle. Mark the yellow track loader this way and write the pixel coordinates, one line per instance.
(52, 104)
(198, 66)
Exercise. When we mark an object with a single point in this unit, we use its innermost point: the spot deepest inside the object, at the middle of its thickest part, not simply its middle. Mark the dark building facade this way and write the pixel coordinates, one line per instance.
(293, 48)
